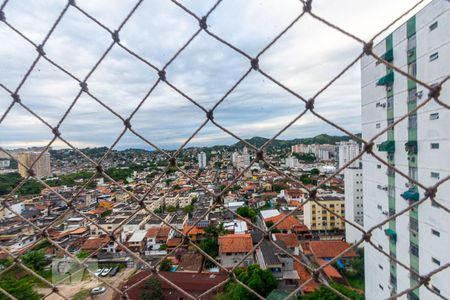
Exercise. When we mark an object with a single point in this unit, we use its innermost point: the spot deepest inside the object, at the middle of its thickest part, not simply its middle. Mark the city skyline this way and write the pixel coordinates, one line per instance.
(121, 80)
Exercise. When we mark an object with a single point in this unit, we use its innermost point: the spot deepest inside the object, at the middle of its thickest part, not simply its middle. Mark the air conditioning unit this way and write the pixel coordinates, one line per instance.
(385, 188)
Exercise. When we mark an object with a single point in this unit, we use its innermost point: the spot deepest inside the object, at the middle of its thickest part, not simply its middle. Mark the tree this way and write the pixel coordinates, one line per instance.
(166, 265)
(34, 260)
(171, 208)
(152, 290)
(315, 171)
(261, 281)
(21, 289)
(246, 212)
(324, 293)
(188, 209)
(276, 187)
(210, 244)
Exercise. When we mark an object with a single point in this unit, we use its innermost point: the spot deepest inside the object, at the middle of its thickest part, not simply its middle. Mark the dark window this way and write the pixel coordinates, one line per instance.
(434, 145)
(414, 249)
(435, 232)
(433, 26)
(434, 56)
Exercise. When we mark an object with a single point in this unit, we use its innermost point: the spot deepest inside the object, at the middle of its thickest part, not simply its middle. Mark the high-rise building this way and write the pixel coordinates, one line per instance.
(346, 151)
(418, 146)
(41, 168)
(291, 162)
(201, 160)
(243, 160)
(353, 187)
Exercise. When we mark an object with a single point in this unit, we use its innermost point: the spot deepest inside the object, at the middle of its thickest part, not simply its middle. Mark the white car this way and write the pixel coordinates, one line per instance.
(98, 272)
(98, 290)
(105, 271)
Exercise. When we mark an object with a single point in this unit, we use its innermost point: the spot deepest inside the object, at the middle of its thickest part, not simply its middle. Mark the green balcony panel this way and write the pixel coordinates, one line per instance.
(411, 26)
(391, 234)
(387, 79)
(410, 195)
(388, 56)
(387, 146)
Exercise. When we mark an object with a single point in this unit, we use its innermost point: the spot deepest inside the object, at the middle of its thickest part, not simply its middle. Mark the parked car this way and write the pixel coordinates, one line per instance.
(105, 272)
(98, 290)
(114, 271)
(98, 272)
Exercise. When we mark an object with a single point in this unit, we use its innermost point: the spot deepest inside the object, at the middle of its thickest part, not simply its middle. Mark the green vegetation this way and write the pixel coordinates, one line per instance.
(163, 247)
(261, 281)
(315, 172)
(119, 173)
(277, 188)
(307, 180)
(106, 213)
(305, 157)
(246, 212)
(188, 209)
(72, 179)
(166, 265)
(9, 181)
(83, 254)
(211, 242)
(81, 295)
(355, 274)
(324, 293)
(35, 260)
(152, 290)
(171, 208)
(19, 288)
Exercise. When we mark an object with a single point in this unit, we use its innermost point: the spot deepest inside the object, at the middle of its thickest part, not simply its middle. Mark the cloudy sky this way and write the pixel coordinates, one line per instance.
(304, 59)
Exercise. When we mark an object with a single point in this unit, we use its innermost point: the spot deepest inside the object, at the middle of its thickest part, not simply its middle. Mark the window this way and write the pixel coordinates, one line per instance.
(380, 266)
(390, 102)
(378, 125)
(434, 175)
(413, 173)
(412, 42)
(379, 206)
(414, 225)
(378, 166)
(434, 260)
(414, 249)
(434, 56)
(434, 116)
(436, 289)
(381, 287)
(412, 69)
(434, 145)
(412, 121)
(435, 232)
(412, 95)
(390, 121)
(433, 26)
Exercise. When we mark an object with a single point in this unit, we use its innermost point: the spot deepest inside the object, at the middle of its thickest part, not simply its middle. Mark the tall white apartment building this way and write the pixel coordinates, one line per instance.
(243, 160)
(418, 146)
(201, 160)
(291, 162)
(41, 167)
(353, 187)
(346, 151)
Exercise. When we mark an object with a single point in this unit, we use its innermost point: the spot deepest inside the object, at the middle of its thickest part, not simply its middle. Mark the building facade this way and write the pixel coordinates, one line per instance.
(320, 220)
(41, 168)
(201, 160)
(418, 146)
(346, 152)
(353, 187)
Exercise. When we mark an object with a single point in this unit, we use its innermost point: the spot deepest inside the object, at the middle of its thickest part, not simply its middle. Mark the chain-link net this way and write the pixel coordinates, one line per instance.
(141, 207)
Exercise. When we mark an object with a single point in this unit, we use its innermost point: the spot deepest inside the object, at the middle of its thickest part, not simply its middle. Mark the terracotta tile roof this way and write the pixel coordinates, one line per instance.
(287, 224)
(173, 242)
(97, 211)
(305, 276)
(290, 239)
(329, 270)
(152, 232)
(193, 283)
(194, 231)
(235, 243)
(330, 249)
(295, 192)
(94, 243)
